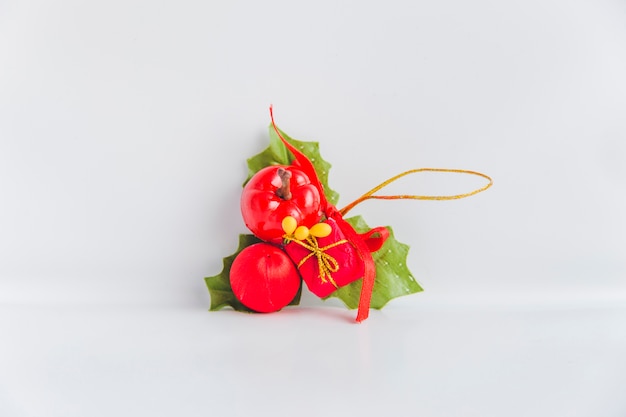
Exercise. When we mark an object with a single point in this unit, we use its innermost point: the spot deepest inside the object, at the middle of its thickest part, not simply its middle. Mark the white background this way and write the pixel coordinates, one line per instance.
(124, 129)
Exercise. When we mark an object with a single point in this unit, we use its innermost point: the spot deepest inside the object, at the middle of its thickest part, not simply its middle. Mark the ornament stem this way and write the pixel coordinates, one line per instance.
(284, 192)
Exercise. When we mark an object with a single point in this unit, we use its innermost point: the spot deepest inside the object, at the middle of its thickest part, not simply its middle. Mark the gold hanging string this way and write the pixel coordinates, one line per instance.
(370, 194)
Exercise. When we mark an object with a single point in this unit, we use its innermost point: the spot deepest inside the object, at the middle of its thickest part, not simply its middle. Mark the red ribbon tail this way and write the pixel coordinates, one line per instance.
(373, 240)
(369, 276)
(364, 244)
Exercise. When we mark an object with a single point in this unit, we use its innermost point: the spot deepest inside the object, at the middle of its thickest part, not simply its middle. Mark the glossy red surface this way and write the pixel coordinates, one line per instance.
(263, 278)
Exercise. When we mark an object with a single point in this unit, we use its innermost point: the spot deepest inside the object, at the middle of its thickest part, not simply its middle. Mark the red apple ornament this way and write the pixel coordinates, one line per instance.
(263, 278)
(274, 193)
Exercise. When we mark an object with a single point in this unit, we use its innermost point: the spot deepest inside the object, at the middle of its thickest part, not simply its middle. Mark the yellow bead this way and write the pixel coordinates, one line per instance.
(301, 233)
(289, 225)
(321, 230)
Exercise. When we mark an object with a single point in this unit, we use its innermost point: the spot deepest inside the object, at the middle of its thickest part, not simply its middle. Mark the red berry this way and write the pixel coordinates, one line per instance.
(263, 278)
(274, 193)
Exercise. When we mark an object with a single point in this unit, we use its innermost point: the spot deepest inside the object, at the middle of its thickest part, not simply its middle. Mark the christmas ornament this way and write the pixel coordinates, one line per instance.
(263, 278)
(298, 235)
(274, 193)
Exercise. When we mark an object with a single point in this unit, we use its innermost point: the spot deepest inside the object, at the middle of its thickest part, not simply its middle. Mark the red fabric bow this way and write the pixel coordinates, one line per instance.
(364, 243)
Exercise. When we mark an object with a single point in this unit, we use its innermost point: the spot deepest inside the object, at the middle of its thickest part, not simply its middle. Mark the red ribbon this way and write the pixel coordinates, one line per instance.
(364, 243)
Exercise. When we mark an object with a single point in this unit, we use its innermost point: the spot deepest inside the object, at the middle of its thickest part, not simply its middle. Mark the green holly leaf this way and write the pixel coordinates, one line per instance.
(277, 154)
(219, 285)
(393, 278)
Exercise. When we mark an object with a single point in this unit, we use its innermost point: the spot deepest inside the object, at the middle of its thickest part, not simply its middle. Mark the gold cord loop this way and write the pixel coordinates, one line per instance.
(370, 194)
